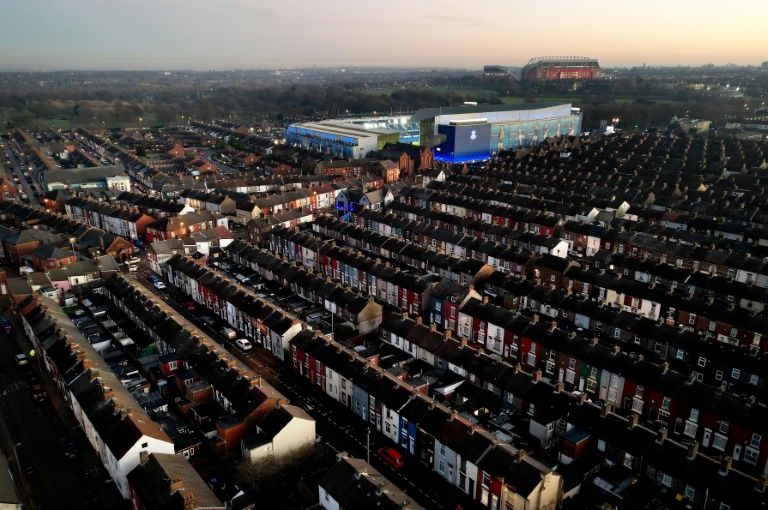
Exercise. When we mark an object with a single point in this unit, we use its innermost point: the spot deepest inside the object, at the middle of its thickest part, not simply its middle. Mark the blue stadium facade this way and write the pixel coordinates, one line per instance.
(496, 127)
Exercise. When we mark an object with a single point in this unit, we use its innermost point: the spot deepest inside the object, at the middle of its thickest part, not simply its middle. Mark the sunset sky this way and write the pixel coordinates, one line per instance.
(228, 34)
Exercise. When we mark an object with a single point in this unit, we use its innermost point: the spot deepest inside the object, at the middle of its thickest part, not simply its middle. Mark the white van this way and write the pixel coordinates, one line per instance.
(229, 333)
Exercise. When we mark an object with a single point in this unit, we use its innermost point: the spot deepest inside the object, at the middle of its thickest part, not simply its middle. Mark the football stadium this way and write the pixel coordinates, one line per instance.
(458, 134)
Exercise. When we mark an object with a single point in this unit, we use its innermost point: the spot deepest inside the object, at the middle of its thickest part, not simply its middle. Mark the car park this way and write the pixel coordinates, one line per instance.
(243, 344)
(391, 457)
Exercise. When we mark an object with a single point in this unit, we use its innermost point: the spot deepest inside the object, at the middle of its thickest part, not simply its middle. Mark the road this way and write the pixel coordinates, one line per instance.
(23, 185)
(338, 427)
(31, 435)
(222, 168)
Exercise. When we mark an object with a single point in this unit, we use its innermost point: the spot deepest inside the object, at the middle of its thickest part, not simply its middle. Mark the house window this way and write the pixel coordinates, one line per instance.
(438, 306)
(750, 455)
(144, 445)
(666, 480)
(635, 302)
(720, 442)
(601, 445)
(736, 373)
(719, 375)
(172, 365)
(572, 363)
(724, 427)
(552, 278)
(689, 492)
(665, 403)
(755, 441)
(442, 450)
(702, 361)
(734, 332)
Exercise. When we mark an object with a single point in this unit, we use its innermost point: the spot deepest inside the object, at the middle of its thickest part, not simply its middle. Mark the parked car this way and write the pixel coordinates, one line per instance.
(133, 260)
(68, 447)
(21, 359)
(243, 344)
(391, 457)
(6, 325)
(229, 333)
(38, 392)
(190, 306)
(159, 285)
(207, 319)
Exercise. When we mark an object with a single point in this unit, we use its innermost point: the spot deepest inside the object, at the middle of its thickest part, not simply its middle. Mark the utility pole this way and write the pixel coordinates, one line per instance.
(368, 444)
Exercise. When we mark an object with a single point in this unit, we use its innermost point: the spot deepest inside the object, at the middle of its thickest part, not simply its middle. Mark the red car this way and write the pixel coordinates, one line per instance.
(391, 457)
(190, 305)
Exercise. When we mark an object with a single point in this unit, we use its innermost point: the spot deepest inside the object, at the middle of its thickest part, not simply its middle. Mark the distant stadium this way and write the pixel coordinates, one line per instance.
(551, 68)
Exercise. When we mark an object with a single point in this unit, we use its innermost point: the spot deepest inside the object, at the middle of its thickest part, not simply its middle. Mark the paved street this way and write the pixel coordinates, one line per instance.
(31, 440)
(23, 185)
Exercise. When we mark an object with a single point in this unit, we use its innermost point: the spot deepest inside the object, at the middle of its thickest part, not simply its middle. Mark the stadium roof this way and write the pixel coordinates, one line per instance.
(343, 128)
(562, 61)
(426, 113)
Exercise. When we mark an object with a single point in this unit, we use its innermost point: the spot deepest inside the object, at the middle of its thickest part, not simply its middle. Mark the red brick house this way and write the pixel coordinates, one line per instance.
(48, 256)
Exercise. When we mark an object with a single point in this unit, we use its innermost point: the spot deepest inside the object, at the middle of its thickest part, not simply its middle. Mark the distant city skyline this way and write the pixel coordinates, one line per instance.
(246, 34)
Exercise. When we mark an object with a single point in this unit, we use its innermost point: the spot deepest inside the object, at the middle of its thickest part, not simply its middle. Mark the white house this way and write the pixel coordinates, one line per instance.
(285, 429)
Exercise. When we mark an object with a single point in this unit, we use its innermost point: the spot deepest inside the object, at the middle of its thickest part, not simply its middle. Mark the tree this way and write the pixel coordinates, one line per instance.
(141, 152)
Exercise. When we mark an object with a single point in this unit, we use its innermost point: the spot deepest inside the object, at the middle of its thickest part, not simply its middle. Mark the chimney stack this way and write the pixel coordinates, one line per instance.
(418, 321)
(606, 409)
(633, 418)
(661, 435)
(143, 456)
(177, 484)
(536, 377)
(725, 465)
(761, 483)
(693, 449)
